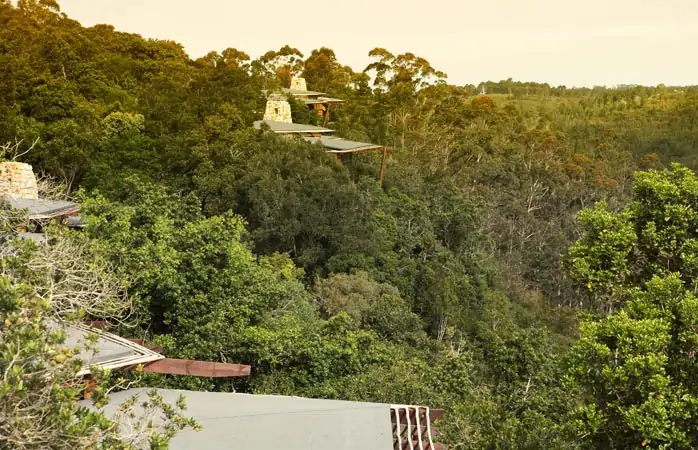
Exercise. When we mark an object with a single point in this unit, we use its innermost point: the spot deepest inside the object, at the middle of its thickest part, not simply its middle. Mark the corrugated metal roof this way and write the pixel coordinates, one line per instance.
(44, 209)
(267, 422)
(313, 101)
(339, 145)
(111, 351)
(299, 93)
(284, 127)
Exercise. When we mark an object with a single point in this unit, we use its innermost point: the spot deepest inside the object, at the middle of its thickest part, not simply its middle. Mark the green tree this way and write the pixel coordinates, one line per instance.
(277, 68)
(40, 297)
(635, 365)
(323, 72)
(194, 278)
(376, 306)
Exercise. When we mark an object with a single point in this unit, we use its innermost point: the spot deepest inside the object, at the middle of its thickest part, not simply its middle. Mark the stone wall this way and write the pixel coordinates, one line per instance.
(278, 111)
(298, 84)
(17, 180)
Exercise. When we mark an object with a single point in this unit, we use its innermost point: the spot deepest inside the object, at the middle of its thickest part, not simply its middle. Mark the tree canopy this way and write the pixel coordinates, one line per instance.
(528, 263)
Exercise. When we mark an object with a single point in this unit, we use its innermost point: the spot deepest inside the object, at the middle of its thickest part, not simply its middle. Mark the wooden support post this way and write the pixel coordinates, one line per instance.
(90, 385)
(381, 174)
(327, 115)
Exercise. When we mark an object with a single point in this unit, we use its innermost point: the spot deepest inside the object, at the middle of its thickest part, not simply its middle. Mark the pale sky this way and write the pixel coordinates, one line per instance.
(571, 42)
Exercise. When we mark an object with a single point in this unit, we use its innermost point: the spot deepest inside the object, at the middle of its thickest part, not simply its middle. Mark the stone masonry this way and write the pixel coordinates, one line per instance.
(298, 84)
(278, 110)
(17, 180)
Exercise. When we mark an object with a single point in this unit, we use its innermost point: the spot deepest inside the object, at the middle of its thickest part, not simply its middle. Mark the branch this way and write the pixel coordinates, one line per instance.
(11, 150)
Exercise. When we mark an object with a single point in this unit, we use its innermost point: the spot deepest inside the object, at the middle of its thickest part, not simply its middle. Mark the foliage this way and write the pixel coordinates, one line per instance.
(636, 363)
(40, 389)
(376, 306)
(442, 286)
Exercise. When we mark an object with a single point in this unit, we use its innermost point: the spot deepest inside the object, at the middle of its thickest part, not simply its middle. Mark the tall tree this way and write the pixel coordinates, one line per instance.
(324, 73)
(636, 365)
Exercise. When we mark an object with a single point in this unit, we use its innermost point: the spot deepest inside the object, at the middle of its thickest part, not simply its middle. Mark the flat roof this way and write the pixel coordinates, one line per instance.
(298, 92)
(339, 145)
(44, 209)
(270, 422)
(313, 101)
(285, 127)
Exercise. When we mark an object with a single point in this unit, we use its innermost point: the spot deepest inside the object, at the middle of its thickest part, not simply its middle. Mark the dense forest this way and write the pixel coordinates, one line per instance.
(528, 263)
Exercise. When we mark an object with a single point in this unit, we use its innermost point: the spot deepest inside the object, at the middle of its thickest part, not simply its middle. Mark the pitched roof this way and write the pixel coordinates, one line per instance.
(285, 127)
(110, 352)
(267, 422)
(339, 145)
(44, 209)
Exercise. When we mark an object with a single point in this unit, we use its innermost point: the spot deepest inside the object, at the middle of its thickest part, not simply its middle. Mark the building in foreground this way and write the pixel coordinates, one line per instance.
(270, 422)
(228, 420)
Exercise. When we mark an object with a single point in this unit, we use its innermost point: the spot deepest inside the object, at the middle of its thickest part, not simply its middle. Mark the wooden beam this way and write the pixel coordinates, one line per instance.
(197, 368)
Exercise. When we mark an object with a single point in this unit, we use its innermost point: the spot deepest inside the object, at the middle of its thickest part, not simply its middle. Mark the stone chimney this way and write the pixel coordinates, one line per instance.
(298, 84)
(17, 180)
(278, 109)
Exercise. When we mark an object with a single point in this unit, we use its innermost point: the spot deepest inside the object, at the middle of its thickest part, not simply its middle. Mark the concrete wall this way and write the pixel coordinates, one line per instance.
(298, 84)
(278, 111)
(17, 180)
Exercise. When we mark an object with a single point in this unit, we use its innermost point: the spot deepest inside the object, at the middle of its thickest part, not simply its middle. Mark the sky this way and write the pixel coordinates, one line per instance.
(570, 42)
